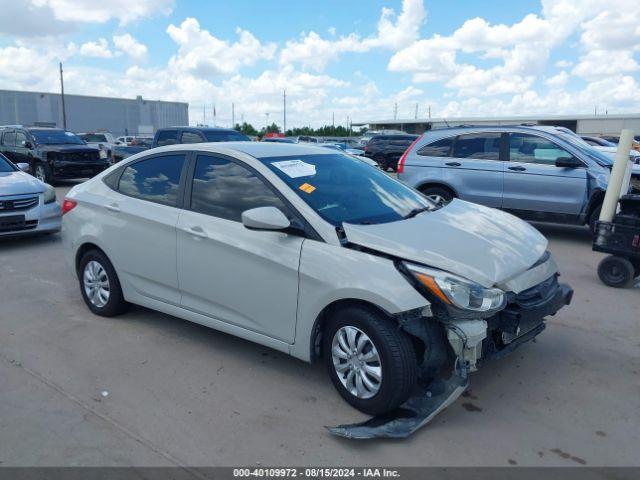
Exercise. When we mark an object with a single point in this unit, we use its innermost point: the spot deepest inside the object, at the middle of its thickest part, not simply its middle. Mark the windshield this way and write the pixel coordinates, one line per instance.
(225, 136)
(5, 166)
(342, 189)
(599, 157)
(93, 137)
(56, 137)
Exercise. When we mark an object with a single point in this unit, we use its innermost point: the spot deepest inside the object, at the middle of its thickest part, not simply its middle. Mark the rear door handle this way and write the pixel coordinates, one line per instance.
(196, 232)
(453, 164)
(113, 207)
(517, 169)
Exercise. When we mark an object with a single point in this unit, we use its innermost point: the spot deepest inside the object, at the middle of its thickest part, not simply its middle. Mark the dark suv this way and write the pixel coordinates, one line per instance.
(386, 150)
(174, 135)
(51, 153)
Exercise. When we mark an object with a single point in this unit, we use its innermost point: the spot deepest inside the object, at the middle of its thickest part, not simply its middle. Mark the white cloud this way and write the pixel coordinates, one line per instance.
(89, 11)
(97, 49)
(563, 64)
(313, 51)
(130, 46)
(559, 80)
(202, 54)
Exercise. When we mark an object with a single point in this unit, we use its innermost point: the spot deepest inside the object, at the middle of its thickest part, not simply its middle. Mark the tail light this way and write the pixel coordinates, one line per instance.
(68, 205)
(403, 158)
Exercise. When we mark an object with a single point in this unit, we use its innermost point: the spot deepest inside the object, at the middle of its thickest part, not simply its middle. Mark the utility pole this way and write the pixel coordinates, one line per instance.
(429, 112)
(64, 111)
(416, 114)
(333, 121)
(348, 125)
(395, 111)
(284, 115)
(204, 114)
(233, 115)
(214, 114)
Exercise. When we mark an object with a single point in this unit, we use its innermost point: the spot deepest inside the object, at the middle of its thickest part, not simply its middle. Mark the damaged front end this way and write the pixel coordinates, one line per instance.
(456, 341)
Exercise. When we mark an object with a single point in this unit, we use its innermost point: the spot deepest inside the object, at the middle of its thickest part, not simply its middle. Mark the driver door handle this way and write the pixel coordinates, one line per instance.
(196, 232)
(517, 169)
(113, 207)
(453, 164)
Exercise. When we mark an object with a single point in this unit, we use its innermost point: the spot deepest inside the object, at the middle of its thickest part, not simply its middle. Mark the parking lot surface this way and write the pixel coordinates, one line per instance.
(150, 389)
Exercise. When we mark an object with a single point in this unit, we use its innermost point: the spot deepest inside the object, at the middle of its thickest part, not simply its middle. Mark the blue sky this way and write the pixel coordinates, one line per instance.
(354, 59)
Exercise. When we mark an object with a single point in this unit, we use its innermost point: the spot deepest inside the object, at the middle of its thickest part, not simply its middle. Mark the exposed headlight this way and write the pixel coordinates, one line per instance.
(103, 154)
(457, 291)
(49, 194)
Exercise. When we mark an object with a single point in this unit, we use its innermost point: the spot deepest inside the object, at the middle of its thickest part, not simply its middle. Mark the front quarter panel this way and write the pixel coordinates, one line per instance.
(329, 273)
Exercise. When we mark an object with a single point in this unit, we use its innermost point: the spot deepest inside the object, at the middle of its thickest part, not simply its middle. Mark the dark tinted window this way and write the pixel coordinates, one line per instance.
(191, 137)
(156, 179)
(56, 137)
(225, 136)
(485, 146)
(167, 137)
(93, 137)
(527, 148)
(21, 139)
(9, 139)
(225, 189)
(439, 148)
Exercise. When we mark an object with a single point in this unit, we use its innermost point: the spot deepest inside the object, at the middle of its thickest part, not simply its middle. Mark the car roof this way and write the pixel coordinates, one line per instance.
(497, 128)
(254, 149)
(200, 129)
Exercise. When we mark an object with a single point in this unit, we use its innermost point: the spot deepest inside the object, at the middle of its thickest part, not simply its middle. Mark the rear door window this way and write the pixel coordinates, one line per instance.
(167, 137)
(439, 148)
(9, 139)
(525, 148)
(156, 179)
(482, 146)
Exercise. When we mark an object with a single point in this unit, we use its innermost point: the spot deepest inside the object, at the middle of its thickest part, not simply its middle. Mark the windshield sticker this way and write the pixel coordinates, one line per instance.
(295, 168)
(306, 188)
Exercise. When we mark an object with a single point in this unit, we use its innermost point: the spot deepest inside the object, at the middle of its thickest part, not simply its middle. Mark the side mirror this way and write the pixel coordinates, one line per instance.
(265, 218)
(23, 166)
(568, 162)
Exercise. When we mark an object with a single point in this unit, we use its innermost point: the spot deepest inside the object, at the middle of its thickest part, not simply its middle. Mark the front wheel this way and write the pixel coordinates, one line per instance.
(616, 271)
(371, 362)
(42, 172)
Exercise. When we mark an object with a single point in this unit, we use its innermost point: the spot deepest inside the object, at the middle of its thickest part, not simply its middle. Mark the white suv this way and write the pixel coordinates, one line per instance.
(313, 253)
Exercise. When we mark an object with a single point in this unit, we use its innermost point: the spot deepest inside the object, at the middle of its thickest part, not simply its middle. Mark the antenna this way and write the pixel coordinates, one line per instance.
(64, 112)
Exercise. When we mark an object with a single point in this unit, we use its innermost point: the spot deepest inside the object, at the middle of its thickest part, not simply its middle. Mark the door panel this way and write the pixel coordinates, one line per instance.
(475, 170)
(533, 183)
(140, 223)
(244, 277)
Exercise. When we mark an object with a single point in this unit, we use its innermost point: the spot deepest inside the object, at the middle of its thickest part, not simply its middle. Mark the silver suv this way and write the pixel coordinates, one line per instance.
(536, 172)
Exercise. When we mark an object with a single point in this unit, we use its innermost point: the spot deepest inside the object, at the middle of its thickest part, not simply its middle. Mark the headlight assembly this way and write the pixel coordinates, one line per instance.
(103, 154)
(457, 291)
(49, 194)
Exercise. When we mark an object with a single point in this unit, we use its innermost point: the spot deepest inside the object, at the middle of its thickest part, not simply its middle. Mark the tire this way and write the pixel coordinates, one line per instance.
(396, 360)
(617, 272)
(438, 194)
(42, 172)
(593, 218)
(95, 266)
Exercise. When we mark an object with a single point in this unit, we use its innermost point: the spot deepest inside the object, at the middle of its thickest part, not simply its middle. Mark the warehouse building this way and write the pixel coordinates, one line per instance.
(581, 124)
(119, 116)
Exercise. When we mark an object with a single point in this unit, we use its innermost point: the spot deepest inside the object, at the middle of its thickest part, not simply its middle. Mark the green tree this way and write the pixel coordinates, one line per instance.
(247, 129)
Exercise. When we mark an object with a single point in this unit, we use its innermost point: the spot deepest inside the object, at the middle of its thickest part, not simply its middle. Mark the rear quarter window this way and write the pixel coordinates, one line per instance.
(439, 148)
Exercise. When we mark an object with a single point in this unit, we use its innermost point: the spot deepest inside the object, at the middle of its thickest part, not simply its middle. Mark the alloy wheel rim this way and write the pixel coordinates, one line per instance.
(96, 284)
(356, 362)
(438, 199)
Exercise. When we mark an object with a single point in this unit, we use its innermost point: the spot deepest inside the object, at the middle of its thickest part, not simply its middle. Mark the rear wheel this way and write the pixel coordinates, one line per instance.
(371, 362)
(616, 271)
(99, 285)
(439, 195)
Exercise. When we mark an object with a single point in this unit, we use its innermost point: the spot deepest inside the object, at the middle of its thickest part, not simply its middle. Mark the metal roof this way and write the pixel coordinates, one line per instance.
(523, 119)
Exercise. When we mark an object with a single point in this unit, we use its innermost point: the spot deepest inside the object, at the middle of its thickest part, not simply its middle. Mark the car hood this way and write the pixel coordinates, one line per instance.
(482, 244)
(18, 183)
(68, 148)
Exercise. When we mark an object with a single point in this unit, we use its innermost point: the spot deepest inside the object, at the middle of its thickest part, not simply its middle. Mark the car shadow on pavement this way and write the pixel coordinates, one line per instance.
(564, 232)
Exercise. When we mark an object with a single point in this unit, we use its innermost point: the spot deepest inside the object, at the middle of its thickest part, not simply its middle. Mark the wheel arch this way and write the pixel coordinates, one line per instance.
(84, 248)
(428, 184)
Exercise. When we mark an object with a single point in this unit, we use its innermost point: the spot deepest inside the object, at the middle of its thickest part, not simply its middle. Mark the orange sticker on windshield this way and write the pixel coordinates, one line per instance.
(305, 187)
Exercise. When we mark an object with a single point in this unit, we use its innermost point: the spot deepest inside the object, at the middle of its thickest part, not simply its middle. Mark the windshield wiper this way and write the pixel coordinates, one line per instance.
(416, 211)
